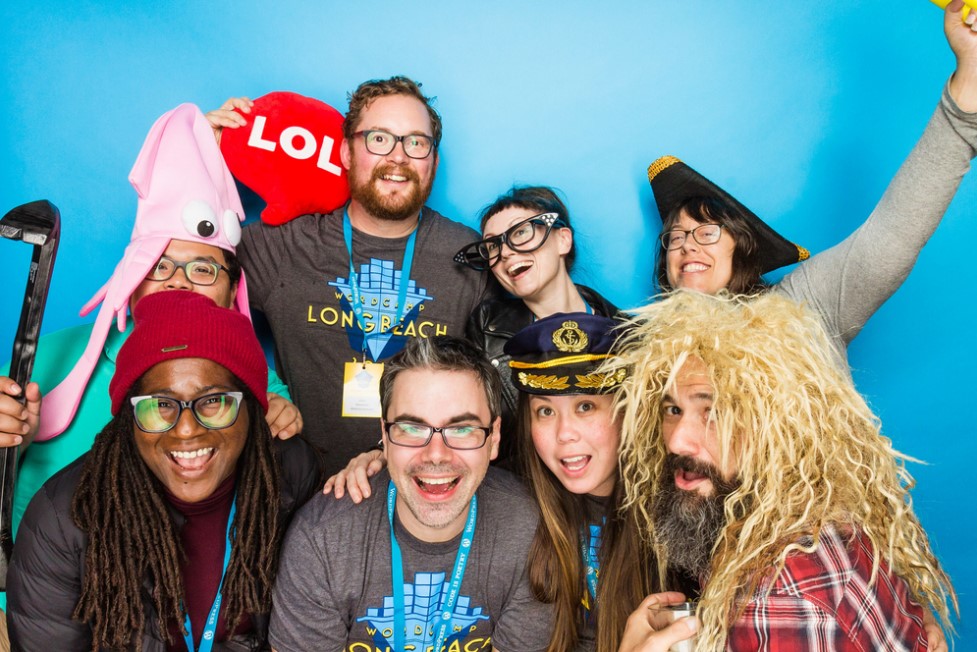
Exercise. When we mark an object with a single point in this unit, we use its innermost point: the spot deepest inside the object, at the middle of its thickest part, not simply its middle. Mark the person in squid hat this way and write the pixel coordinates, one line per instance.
(188, 224)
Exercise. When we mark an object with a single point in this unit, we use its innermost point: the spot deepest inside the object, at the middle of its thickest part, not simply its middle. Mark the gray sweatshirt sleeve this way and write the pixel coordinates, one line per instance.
(849, 282)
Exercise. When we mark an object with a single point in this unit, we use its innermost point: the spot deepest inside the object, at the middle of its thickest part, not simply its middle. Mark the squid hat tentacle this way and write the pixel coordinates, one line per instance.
(186, 192)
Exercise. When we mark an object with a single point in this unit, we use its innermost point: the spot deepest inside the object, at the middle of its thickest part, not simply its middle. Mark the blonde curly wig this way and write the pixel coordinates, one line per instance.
(808, 449)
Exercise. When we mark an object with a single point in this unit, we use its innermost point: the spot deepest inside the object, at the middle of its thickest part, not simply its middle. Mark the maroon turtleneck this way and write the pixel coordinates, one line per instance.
(203, 537)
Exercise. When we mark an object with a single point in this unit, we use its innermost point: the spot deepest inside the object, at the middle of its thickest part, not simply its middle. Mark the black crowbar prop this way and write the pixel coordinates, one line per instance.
(39, 224)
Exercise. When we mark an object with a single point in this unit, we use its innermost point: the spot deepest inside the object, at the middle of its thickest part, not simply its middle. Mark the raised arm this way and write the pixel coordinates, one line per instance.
(849, 282)
(961, 37)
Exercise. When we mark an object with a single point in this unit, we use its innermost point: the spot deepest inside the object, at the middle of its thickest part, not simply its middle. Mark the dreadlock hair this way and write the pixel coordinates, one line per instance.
(132, 539)
(556, 570)
(809, 450)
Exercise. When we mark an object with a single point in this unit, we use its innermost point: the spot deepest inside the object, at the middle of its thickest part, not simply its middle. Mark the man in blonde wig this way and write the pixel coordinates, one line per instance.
(756, 467)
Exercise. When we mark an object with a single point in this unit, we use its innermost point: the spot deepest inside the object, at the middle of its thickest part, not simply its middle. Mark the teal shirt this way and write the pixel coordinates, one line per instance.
(56, 356)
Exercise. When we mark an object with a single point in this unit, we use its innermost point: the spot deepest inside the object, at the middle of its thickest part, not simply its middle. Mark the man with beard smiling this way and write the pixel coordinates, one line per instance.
(435, 558)
(758, 469)
(344, 292)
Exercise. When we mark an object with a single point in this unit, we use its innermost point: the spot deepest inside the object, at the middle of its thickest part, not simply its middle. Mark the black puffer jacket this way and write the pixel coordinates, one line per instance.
(491, 325)
(44, 579)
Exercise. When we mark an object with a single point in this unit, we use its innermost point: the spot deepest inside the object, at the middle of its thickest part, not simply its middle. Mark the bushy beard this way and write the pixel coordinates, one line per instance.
(687, 524)
(394, 209)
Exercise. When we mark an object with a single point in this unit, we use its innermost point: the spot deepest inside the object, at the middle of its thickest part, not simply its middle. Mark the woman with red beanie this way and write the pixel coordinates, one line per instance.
(165, 536)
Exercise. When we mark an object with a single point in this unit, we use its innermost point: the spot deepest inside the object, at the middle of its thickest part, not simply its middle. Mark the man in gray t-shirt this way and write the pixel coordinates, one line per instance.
(345, 291)
(436, 557)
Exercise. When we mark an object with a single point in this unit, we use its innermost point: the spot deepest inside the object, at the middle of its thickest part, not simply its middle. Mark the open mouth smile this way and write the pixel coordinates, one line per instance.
(518, 268)
(437, 486)
(192, 460)
(576, 463)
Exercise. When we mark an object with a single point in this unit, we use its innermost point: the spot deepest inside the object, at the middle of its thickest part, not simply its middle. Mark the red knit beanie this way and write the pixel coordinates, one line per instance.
(180, 324)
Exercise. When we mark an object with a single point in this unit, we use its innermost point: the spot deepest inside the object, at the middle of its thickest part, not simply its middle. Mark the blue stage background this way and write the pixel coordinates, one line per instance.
(803, 111)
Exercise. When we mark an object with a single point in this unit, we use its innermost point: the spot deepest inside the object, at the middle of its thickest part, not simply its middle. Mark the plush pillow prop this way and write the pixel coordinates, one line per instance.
(289, 155)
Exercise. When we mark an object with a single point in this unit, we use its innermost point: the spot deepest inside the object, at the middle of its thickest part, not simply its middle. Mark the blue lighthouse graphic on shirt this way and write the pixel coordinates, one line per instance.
(424, 601)
(379, 285)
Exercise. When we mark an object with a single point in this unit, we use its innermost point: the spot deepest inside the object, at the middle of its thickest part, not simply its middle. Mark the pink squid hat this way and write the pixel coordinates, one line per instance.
(185, 192)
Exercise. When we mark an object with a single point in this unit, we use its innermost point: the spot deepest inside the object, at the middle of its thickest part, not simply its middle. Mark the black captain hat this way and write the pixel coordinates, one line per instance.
(673, 183)
(561, 354)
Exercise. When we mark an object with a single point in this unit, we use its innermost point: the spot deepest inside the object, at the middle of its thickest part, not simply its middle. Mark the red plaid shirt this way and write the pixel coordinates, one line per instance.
(822, 601)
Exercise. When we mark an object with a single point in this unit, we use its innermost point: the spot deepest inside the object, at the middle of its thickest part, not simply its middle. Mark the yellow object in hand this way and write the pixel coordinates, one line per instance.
(968, 5)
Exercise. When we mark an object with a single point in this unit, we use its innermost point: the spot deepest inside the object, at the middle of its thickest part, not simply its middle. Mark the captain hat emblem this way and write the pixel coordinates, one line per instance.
(569, 338)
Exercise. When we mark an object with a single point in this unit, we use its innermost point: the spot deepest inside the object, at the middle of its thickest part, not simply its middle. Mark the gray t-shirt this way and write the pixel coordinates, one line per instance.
(298, 276)
(334, 583)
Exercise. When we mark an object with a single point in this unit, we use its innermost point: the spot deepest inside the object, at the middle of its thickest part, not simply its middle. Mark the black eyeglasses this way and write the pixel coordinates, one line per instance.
(381, 143)
(522, 237)
(157, 414)
(704, 234)
(419, 435)
(198, 272)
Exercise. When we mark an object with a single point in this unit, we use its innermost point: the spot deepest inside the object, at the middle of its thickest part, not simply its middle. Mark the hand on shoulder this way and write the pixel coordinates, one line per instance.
(355, 478)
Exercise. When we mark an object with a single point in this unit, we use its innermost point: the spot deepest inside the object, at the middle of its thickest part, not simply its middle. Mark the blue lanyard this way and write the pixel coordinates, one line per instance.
(454, 589)
(354, 284)
(591, 564)
(210, 629)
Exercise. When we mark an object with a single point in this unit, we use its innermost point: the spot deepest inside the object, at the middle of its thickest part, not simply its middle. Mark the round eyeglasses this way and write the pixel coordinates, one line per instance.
(419, 435)
(704, 234)
(381, 143)
(198, 272)
(522, 237)
(157, 414)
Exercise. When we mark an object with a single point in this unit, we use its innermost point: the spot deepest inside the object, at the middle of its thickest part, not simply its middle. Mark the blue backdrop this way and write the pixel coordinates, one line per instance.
(803, 111)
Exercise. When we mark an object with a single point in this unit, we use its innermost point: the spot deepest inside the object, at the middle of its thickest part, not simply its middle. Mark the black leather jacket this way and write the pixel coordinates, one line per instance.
(490, 326)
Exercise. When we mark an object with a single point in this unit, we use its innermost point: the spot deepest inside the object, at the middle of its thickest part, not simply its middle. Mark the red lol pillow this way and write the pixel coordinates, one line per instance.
(289, 155)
